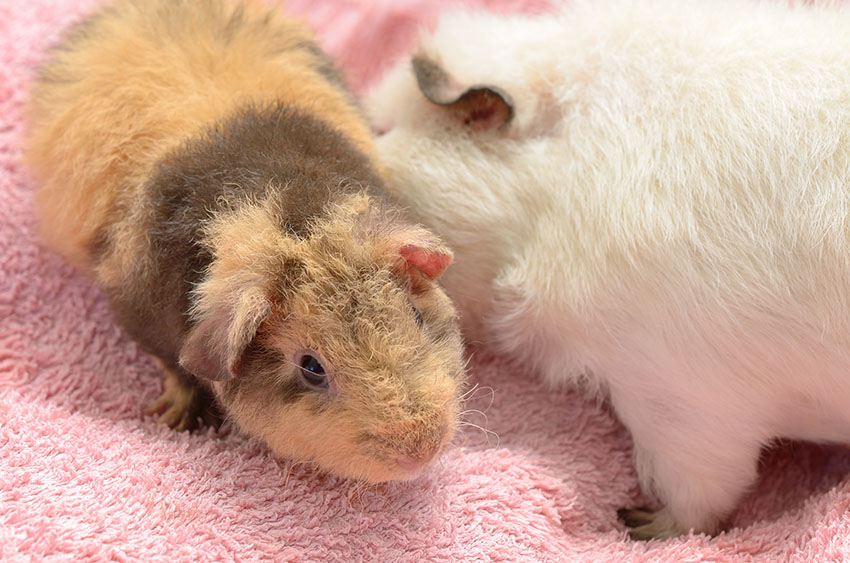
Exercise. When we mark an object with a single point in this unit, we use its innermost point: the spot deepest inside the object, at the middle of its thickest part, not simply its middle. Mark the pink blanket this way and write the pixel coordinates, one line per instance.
(85, 477)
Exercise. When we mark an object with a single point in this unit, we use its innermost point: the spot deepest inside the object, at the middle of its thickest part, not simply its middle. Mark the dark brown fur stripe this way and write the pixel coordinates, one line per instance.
(274, 152)
(260, 374)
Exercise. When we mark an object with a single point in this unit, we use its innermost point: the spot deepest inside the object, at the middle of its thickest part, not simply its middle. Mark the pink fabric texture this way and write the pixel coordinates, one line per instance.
(85, 477)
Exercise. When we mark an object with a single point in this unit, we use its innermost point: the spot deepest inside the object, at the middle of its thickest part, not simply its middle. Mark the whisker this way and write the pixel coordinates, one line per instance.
(470, 391)
(468, 360)
(474, 411)
(287, 476)
(291, 466)
(361, 486)
(492, 397)
(471, 395)
(486, 432)
(354, 493)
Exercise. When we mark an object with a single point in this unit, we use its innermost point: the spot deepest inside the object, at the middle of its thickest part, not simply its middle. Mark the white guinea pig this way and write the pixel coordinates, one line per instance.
(650, 198)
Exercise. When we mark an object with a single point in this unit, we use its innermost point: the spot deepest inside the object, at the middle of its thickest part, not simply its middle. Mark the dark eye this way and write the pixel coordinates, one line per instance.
(418, 316)
(313, 372)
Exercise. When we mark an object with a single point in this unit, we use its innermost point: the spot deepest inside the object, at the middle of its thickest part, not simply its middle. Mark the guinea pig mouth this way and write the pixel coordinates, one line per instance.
(409, 460)
(412, 467)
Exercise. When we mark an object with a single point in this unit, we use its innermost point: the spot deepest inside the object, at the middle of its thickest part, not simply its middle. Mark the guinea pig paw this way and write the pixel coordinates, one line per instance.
(179, 407)
(649, 525)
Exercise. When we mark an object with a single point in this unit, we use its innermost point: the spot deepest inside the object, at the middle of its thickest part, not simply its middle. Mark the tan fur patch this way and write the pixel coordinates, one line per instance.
(396, 384)
(105, 109)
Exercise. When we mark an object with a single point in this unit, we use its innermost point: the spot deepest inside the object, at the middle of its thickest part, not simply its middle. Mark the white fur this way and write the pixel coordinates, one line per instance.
(665, 219)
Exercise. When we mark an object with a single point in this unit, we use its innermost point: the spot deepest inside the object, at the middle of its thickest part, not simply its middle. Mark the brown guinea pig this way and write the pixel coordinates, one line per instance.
(203, 163)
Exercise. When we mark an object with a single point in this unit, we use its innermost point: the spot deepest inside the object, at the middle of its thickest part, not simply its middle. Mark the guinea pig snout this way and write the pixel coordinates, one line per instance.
(413, 446)
(416, 458)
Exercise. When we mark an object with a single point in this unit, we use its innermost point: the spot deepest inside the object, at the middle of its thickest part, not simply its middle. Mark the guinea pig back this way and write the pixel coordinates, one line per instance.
(204, 164)
(650, 198)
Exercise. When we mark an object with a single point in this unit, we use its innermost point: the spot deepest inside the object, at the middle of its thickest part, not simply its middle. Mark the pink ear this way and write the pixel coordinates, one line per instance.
(481, 109)
(432, 263)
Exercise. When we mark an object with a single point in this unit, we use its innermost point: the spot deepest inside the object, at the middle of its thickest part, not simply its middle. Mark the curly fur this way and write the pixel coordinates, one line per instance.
(203, 163)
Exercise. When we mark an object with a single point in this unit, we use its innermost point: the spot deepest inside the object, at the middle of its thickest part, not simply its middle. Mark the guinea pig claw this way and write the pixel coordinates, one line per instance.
(634, 518)
(175, 409)
(179, 405)
(646, 525)
(179, 418)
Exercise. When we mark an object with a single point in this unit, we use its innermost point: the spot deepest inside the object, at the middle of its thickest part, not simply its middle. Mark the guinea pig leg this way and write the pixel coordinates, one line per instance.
(700, 489)
(647, 524)
(697, 465)
(181, 403)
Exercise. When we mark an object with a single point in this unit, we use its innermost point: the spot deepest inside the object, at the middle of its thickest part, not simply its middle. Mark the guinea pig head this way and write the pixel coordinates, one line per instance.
(338, 348)
(476, 73)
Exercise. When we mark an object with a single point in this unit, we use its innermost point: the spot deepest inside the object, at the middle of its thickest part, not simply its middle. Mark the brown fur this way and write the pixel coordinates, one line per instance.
(142, 75)
(201, 161)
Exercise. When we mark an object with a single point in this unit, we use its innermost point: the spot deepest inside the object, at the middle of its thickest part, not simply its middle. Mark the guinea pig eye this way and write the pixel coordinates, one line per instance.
(313, 372)
(418, 316)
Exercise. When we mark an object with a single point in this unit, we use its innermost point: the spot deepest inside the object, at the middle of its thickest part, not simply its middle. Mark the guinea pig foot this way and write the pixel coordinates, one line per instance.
(649, 525)
(181, 405)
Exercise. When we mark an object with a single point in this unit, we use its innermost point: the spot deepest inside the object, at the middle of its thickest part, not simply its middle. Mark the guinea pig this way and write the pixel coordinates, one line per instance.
(202, 162)
(651, 199)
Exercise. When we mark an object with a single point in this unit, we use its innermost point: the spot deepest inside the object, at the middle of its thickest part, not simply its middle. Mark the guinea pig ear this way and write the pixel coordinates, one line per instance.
(421, 250)
(480, 107)
(431, 262)
(216, 344)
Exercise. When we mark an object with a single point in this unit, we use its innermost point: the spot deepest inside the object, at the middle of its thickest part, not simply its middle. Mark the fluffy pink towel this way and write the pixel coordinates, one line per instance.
(84, 477)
